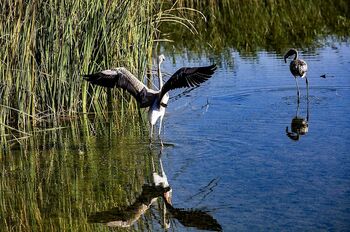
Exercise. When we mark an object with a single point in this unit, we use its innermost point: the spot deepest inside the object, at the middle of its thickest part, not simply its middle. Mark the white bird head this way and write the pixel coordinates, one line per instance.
(161, 58)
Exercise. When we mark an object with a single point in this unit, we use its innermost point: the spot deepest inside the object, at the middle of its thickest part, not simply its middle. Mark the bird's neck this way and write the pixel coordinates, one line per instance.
(295, 55)
(160, 77)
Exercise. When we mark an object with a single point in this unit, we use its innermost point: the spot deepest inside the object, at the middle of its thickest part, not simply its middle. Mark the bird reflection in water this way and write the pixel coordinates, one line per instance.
(299, 125)
(158, 189)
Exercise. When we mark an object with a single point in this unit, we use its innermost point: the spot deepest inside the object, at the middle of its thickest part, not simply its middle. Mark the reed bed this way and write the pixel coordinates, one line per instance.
(250, 26)
(45, 47)
(70, 149)
(60, 160)
(75, 166)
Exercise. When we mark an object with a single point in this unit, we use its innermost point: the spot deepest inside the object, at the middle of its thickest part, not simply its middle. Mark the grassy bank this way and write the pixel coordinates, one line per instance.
(250, 26)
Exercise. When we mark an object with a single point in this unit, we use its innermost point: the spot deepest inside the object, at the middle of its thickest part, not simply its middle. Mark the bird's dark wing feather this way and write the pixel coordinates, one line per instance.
(106, 80)
(122, 78)
(188, 77)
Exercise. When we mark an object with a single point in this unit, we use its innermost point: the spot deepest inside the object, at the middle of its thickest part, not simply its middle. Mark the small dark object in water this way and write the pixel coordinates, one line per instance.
(326, 76)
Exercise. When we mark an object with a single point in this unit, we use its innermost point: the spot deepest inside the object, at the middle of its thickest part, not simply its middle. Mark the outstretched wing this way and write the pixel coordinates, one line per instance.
(188, 77)
(122, 78)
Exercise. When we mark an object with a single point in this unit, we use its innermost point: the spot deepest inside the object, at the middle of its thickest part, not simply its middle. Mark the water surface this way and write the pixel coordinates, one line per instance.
(232, 155)
(230, 160)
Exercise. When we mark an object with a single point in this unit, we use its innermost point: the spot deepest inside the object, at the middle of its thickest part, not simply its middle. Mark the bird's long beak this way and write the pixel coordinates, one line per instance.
(285, 59)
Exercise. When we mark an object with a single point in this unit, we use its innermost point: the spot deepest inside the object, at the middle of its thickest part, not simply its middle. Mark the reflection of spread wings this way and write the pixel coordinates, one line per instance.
(194, 218)
(125, 217)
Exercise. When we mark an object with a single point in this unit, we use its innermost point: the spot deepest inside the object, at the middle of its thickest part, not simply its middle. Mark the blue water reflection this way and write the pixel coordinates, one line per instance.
(233, 157)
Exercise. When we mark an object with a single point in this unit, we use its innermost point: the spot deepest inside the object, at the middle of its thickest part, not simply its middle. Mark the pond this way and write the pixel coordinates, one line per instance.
(240, 153)
(233, 156)
(230, 157)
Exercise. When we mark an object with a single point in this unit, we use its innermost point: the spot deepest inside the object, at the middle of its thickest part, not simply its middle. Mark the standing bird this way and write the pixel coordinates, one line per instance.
(298, 68)
(158, 112)
(156, 100)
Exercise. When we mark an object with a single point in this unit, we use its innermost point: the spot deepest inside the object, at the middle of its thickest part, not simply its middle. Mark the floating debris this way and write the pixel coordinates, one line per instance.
(325, 76)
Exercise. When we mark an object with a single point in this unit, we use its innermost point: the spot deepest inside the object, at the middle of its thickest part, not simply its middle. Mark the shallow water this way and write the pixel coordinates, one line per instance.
(232, 155)
(227, 157)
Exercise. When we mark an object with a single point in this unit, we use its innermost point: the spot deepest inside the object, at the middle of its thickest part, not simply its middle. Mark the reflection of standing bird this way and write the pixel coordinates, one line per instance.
(299, 125)
(298, 68)
(154, 99)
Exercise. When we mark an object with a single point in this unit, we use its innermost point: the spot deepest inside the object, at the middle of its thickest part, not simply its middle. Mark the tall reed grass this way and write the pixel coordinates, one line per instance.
(249, 26)
(69, 172)
(45, 47)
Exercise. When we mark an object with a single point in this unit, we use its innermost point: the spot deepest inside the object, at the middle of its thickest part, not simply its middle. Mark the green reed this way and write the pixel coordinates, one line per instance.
(46, 46)
(249, 26)
(70, 149)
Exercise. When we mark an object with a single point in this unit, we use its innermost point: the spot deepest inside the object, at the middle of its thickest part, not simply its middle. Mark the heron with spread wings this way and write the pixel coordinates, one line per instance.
(156, 100)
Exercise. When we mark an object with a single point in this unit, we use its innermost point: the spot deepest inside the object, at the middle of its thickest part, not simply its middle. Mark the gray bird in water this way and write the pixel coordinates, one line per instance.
(298, 68)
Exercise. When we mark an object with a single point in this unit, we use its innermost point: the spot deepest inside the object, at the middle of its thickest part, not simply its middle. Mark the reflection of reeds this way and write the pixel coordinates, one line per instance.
(46, 46)
(69, 175)
(248, 26)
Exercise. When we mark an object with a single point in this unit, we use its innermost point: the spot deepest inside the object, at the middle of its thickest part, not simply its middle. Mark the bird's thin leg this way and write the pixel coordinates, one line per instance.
(161, 167)
(160, 126)
(160, 129)
(298, 92)
(151, 132)
(307, 88)
(307, 112)
(297, 113)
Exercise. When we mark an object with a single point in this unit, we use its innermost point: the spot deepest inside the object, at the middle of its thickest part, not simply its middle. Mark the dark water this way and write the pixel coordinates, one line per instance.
(232, 155)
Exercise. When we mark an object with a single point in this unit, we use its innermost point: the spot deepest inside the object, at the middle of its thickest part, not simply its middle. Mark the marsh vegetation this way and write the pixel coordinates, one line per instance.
(251, 26)
(46, 47)
(69, 150)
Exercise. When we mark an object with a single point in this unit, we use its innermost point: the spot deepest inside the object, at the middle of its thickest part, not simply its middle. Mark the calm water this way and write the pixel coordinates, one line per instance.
(227, 157)
(232, 159)
(231, 153)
